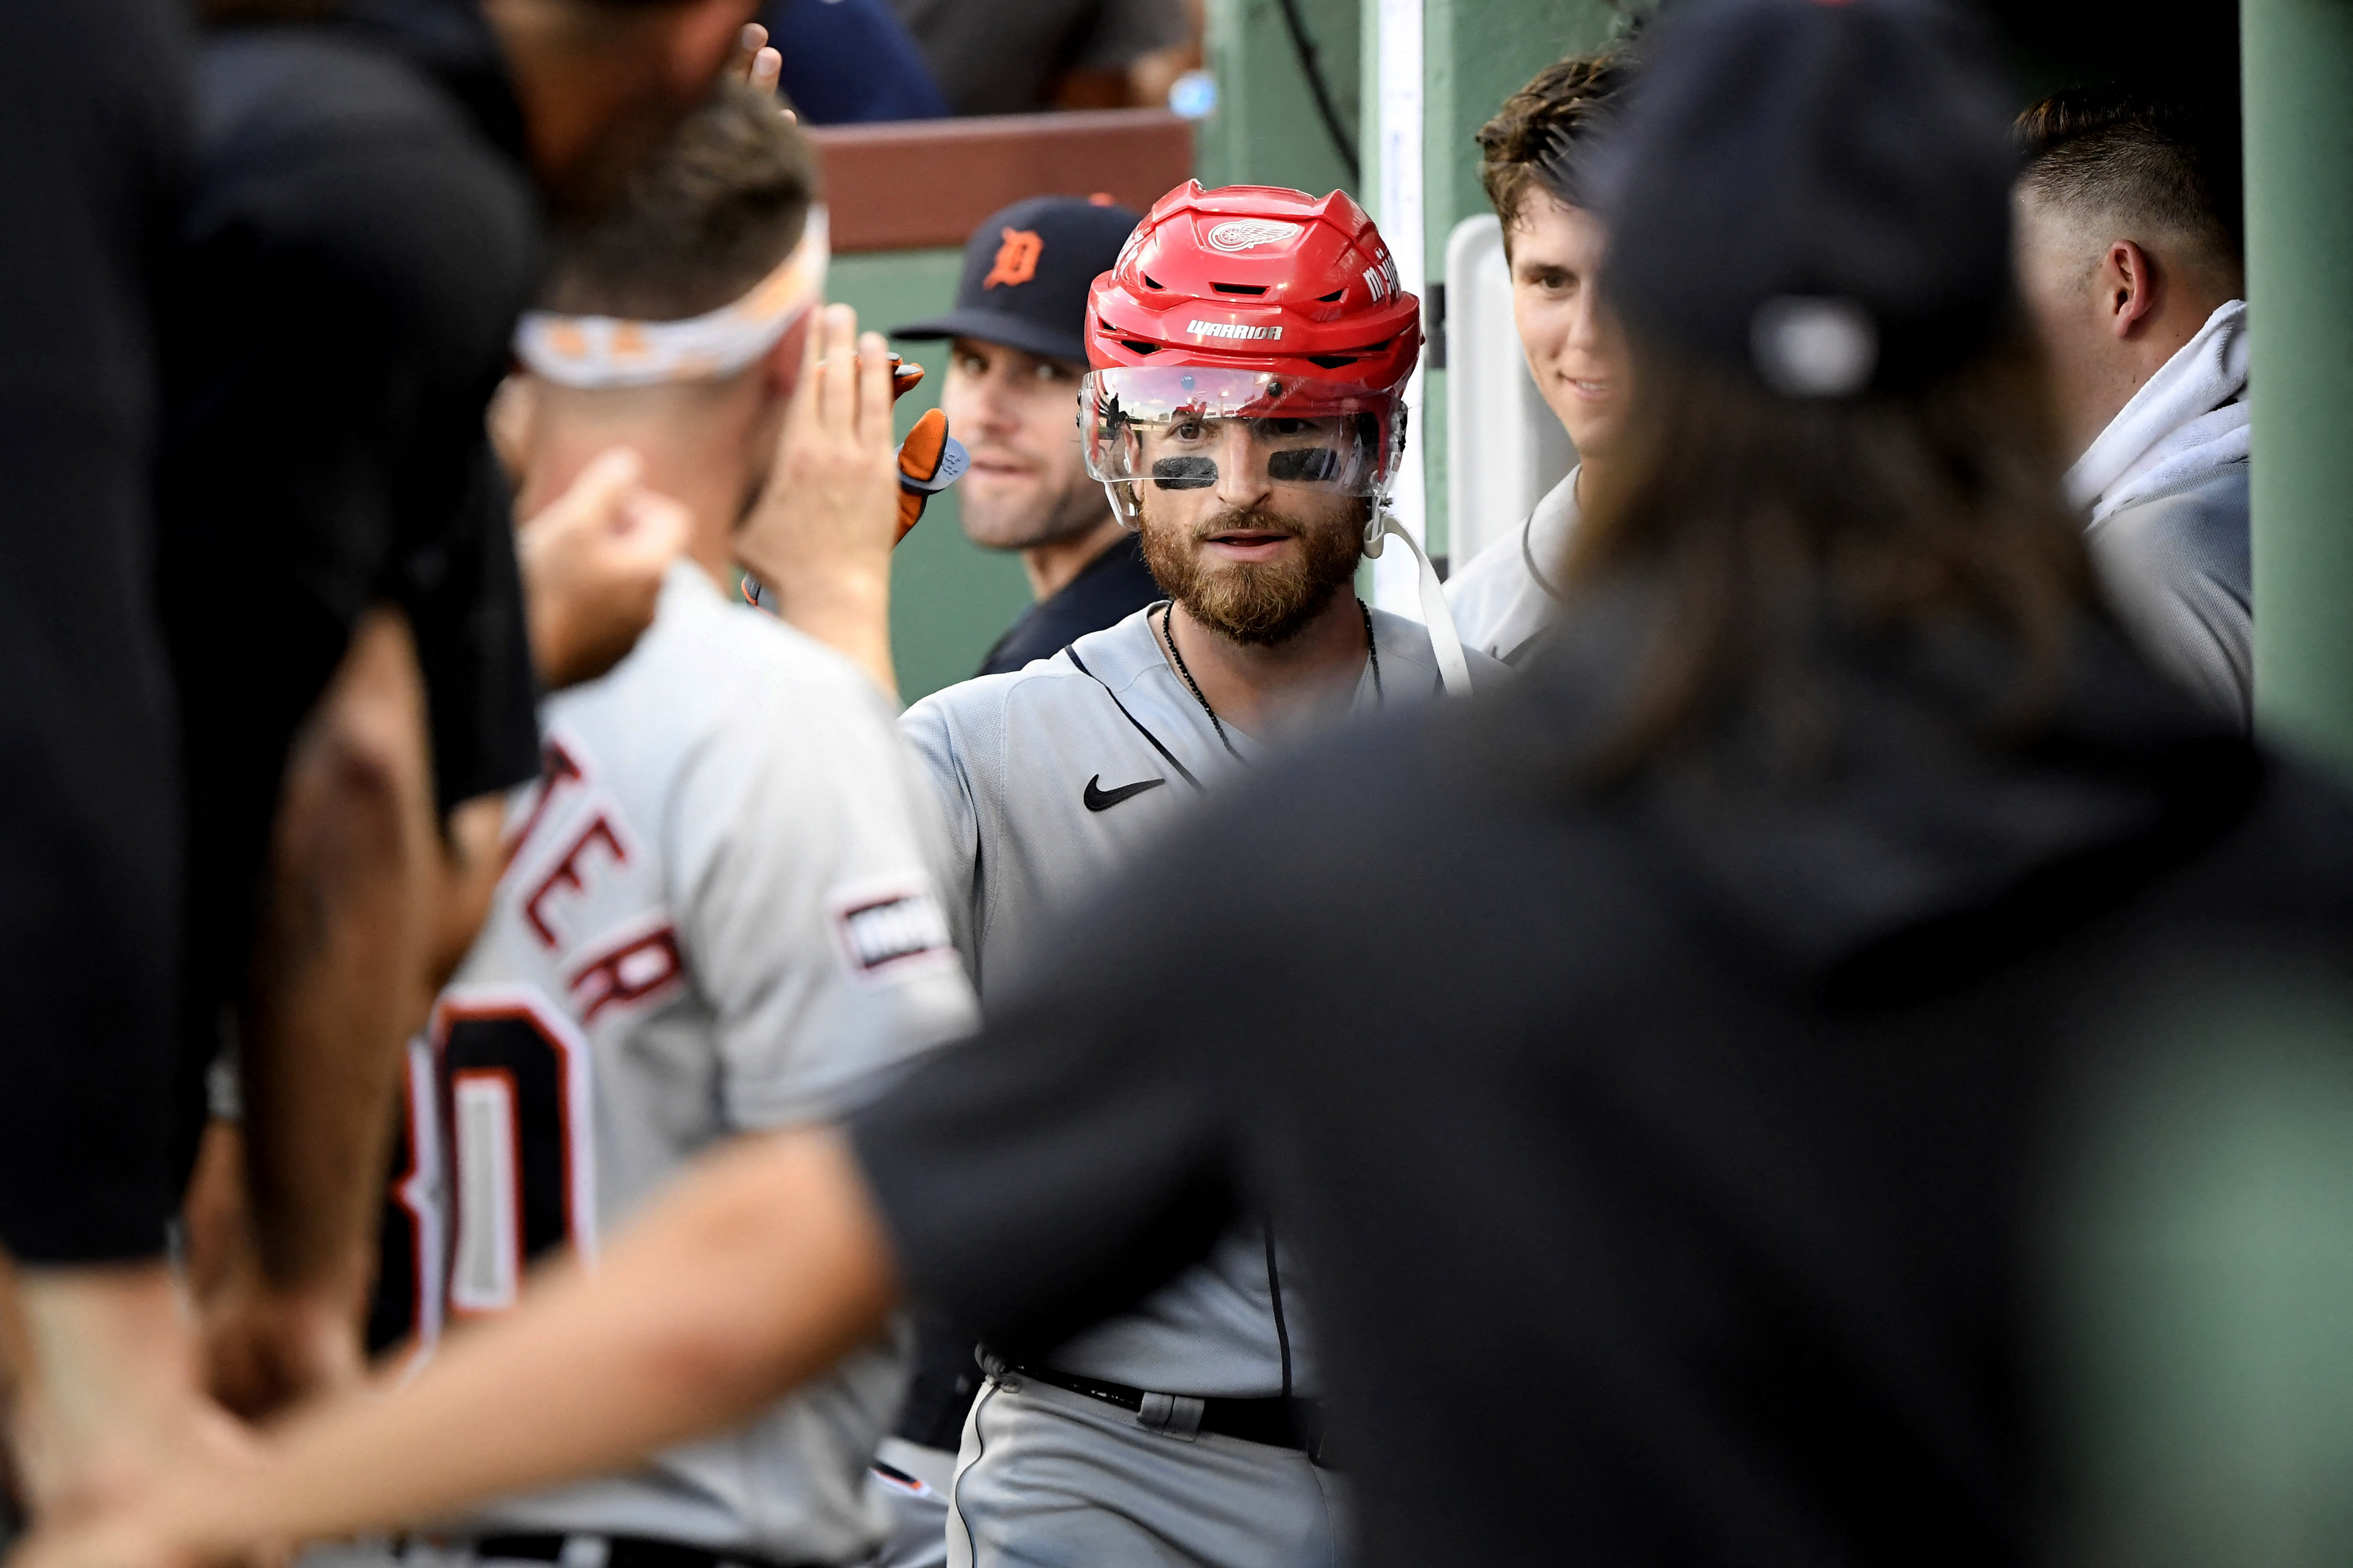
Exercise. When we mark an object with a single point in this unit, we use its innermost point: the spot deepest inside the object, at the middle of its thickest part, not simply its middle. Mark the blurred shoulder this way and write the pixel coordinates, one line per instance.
(711, 671)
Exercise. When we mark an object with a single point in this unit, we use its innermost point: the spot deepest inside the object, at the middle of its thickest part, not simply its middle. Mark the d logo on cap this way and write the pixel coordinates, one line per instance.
(1017, 258)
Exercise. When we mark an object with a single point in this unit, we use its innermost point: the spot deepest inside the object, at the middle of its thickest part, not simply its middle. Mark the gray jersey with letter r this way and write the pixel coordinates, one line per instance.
(719, 916)
(1037, 772)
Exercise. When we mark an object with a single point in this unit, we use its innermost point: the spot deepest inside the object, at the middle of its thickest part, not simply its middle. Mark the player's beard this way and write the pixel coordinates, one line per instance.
(1257, 602)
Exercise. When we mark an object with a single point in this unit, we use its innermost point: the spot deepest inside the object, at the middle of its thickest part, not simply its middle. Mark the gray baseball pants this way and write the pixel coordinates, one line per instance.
(1048, 1478)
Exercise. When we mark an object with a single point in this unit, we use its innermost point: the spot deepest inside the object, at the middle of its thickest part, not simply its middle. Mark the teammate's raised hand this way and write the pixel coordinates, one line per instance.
(821, 533)
(592, 567)
(756, 65)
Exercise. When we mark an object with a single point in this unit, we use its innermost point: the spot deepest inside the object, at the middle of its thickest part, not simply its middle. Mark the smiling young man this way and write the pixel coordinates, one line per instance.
(1244, 416)
(1017, 353)
(1553, 244)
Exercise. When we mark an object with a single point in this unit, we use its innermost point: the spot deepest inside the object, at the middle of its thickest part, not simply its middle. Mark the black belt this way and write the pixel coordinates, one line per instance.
(1276, 1421)
(621, 1551)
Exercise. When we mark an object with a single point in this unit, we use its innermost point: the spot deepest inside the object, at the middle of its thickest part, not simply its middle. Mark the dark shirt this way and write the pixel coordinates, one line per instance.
(1107, 590)
(93, 137)
(362, 237)
(847, 61)
(1669, 1160)
(1006, 57)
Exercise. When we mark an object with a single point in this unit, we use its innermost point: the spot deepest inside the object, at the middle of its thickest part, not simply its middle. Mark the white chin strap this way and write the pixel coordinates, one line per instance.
(1444, 640)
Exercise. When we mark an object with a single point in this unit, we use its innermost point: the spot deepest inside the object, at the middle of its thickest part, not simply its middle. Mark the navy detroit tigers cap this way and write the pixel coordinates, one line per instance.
(1814, 192)
(1027, 270)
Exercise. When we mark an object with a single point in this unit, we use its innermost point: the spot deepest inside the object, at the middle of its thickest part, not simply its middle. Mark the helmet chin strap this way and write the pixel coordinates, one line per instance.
(1125, 518)
(1444, 640)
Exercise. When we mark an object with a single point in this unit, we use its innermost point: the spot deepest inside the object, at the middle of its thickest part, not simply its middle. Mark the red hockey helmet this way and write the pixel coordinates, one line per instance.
(1257, 305)
(1258, 277)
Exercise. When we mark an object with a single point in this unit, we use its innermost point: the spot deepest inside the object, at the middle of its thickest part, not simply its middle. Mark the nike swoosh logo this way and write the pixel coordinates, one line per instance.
(1105, 799)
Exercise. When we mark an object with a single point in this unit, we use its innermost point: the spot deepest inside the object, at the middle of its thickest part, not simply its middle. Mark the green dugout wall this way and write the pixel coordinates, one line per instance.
(2297, 57)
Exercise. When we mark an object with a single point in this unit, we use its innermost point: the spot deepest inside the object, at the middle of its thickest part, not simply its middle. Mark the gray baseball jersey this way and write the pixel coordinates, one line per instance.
(719, 916)
(1510, 591)
(1049, 777)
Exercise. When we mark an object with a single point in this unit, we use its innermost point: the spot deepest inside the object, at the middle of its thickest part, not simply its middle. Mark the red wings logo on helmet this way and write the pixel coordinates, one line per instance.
(1249, 233)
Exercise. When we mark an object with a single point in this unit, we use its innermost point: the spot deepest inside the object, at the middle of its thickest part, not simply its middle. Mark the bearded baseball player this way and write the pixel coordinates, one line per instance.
(718, 914)
(1244, 417)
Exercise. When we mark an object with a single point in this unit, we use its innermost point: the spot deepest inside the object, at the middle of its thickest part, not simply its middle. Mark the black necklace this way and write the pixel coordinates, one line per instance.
(1169, 635)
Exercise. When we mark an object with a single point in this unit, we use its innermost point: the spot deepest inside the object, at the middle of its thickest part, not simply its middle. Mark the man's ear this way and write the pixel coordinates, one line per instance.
(2128, 285)
(703, 35)
(513, 419)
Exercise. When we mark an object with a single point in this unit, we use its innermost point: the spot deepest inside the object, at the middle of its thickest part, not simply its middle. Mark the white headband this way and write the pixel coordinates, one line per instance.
(595, 351)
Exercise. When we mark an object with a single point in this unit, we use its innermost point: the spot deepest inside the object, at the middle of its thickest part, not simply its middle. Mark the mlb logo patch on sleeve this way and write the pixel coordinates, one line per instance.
(887, 928)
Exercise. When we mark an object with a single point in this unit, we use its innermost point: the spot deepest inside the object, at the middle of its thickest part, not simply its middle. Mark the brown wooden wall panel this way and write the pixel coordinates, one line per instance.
(922, 184)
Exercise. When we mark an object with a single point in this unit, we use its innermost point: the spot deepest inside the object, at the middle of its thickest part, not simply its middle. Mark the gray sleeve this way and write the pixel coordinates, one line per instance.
(1126, 30)
(2178, 573)
(930, 730)
(806, 906)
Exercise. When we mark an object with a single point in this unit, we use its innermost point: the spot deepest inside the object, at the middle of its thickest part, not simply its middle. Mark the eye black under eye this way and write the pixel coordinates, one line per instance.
(1185, 473)
(1304, 465)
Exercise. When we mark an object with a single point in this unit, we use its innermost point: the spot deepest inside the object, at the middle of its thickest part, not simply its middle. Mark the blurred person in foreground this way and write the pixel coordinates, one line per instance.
(94, 132)
(1016, 354)
(716, 917)
(2130, 238)
(1817, 890)
(1531, 153)
(356, 655)
(845, 62)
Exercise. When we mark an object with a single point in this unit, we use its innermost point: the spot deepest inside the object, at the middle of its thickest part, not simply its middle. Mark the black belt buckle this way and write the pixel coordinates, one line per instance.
(1277, 1422)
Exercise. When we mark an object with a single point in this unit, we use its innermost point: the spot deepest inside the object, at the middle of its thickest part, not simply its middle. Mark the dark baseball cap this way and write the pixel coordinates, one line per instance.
(1814, 192)
(1027, 270)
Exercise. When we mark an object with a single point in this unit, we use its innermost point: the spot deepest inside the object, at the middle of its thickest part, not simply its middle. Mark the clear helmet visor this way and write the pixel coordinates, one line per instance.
(1184, 427)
